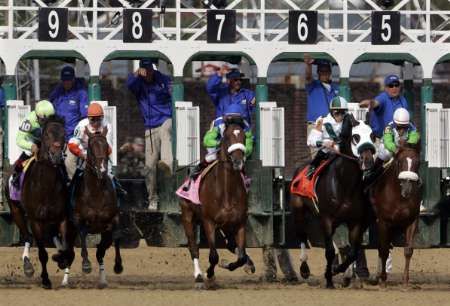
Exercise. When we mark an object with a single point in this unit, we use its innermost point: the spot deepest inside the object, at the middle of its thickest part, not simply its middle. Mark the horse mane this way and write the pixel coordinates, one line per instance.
(53, 119)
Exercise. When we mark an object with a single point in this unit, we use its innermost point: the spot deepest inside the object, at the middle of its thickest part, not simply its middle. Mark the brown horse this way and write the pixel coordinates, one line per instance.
(224, 206)
(396, 197)
(96, 210)
(340, 197)
(44, 201)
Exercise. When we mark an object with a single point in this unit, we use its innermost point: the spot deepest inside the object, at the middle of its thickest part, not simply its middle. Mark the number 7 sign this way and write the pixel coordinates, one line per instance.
(221, 27)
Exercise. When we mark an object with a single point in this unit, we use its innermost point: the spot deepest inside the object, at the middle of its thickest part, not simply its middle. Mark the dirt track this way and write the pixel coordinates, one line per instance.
(162, 276)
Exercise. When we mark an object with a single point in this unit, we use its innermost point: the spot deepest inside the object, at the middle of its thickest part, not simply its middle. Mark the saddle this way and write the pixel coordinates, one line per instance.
(303, 186)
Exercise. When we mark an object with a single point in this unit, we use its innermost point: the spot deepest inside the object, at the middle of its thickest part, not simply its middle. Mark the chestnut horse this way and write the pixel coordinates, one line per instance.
(96, 210)
(340, 197)
(224, 206)
(396, 197)
(44, 200)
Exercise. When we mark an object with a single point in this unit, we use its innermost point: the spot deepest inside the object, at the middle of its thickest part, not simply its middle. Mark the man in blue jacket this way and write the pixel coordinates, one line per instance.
(70, 100)
(152, 90)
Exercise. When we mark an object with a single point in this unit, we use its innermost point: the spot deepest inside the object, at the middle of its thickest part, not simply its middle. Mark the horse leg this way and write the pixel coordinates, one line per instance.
(65, 248)
(231, 246)
(299, 216)
(104, 244)
(241, 254)
(210, 231)
(354, 237)
(86, 265)
(187, 218)
(18, 216)
(118, 267)
(408, 250)
(383, 250)
(43, 256)
(329, 252)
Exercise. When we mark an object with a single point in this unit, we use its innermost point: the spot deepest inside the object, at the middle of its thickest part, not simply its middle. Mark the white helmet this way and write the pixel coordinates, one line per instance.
(401, 116)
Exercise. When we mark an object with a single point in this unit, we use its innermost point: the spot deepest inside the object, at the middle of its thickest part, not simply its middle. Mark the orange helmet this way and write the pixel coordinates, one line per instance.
(95, 110)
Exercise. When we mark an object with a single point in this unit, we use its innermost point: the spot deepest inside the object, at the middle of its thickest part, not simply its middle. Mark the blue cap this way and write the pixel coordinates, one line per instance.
(323, 65)
(391, 79)
(146, 63)
(67, 73)
(234, 74)
(233, 109)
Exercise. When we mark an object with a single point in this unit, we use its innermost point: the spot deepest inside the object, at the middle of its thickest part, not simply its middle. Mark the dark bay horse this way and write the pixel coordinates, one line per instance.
(224, 207)
(340, 197)
(96, 210)
(396, 197)
(44, 201)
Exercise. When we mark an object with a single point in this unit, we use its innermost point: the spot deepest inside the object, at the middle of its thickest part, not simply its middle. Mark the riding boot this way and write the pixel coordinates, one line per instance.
(195, 173)
(320, 156)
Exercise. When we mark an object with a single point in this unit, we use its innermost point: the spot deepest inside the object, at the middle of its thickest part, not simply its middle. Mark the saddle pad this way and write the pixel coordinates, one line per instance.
(305, 187)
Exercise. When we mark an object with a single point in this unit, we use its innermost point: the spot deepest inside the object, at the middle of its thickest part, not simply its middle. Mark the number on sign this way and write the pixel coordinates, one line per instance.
(136, 29)
(53, 24)
(137, 25)
(302, 27)
(386, 27)
(219, 31)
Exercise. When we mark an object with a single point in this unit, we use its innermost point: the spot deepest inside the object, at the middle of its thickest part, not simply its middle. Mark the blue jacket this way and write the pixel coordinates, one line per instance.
(319, 99)
(155, 100)
(71, 105)
(2, 98)
(382, 115)
(221, 97)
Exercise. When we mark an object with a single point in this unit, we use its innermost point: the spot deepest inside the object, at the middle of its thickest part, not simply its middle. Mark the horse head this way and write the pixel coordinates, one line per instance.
(97, 152)
(407, 161)
(233, 143)
(52, 140)
(358, 141)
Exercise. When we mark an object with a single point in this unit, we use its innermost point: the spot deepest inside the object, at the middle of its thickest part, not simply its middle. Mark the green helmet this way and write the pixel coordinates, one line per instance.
(44, 109)
(338, 103)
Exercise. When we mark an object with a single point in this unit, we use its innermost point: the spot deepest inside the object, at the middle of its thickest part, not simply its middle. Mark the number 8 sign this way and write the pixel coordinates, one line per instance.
(137, 25)
(302, 27)
(52, 24)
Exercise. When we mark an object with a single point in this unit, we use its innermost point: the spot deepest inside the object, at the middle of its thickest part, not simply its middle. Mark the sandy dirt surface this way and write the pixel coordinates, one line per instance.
(163, 276)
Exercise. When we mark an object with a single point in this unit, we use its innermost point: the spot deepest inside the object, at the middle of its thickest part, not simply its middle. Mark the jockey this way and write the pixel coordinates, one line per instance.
(401, 129)
(327, 131)
(212, 138)
(78, 144)
(29, 136)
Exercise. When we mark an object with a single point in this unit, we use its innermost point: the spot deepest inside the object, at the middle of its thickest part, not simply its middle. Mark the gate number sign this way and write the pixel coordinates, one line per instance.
(52, 24)
(385, 28)
(302, 27)
(221, 26)
(137, 25)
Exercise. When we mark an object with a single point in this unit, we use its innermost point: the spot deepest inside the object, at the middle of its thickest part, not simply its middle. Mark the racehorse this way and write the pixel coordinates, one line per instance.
(340, 197)
(96, 210)
(224, 206)
(396, 197)
(44, 201)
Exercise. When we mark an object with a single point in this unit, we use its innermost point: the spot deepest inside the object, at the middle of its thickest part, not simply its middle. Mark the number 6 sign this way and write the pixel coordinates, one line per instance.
(137, 25)
(302, 27)
(52, 24)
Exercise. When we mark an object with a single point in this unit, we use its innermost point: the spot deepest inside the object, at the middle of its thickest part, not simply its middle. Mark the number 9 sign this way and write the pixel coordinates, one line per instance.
(385, 28)
(137, 25)
(52, 24)
(302, 27)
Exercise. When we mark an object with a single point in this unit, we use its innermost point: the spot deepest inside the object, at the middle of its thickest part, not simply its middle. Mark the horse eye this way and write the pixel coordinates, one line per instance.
(356, 138)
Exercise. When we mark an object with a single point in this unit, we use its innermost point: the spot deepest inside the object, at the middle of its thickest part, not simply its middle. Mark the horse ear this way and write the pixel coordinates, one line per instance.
(105, 131)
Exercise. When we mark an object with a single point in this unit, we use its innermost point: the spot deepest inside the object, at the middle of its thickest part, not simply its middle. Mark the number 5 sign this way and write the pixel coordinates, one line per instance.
(302, 27)
(385, 28)
(52, 24)
(221, 27)
(137, 25)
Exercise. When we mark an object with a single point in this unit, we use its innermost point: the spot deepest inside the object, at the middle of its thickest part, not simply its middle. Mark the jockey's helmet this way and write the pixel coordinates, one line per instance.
(95, 110)
(401, 117)
(44, 109)
(338, 103)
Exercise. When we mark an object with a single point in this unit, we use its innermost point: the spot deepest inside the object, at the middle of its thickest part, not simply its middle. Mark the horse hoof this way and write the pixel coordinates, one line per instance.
(28, 269)
(346, 281)
(224, 264)
(199, 284)
(46, 284)
(211, 283)
(102, 285)
(249, 268)
(118, 268)
(86, 267)
(60, 260)
(330, 286)
(304, 270)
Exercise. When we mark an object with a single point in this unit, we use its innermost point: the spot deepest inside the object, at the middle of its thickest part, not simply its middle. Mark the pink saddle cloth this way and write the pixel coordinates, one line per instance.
(192, 194)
